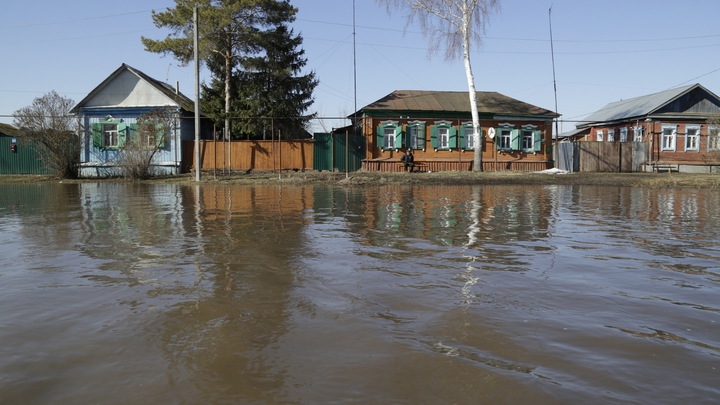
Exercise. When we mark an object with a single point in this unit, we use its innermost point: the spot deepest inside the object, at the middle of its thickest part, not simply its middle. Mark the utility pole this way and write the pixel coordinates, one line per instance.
(197, 95)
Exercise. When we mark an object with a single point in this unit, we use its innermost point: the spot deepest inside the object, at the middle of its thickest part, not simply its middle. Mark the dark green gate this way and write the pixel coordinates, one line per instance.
(338, 152)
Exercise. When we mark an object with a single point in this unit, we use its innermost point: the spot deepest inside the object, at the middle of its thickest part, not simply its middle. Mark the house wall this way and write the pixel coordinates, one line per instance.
(703, 157)
(458, 158)
(96, 162)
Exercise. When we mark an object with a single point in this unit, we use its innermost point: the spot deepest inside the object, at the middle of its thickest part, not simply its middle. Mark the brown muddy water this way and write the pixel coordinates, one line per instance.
(168, 294)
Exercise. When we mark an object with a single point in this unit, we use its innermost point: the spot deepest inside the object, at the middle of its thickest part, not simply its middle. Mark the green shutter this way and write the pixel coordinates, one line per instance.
(537, 141)
(380, 137)
(122, 134)
(421, 135)
(515, 141)
(97, 141)
(498, 138)
(160, 136)
(453, 135)
(132, 133)
(398, 137)
(433, 136)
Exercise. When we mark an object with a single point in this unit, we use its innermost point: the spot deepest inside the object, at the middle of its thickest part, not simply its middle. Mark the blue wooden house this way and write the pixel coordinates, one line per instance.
(109, 115)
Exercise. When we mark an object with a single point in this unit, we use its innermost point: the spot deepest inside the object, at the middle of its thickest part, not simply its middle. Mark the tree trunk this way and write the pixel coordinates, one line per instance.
(477, 135)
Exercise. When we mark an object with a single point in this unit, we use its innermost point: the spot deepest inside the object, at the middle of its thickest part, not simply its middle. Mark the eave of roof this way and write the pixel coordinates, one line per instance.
(453, 102)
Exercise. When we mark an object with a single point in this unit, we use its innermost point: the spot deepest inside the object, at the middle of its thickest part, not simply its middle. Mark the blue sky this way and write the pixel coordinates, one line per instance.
(605, 51)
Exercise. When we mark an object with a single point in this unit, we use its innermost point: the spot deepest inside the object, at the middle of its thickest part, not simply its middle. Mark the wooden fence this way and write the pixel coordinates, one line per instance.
(612, 156)
(249, 155)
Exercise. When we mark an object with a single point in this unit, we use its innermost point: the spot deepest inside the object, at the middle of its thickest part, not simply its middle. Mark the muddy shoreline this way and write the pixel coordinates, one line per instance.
(363, 178)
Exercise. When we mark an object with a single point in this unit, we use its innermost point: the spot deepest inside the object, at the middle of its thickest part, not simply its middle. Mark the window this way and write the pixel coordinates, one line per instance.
(638, 133)
(531, 139)
(600, 136)
(669, 132)
(443, 135)
(389, 135)
(443, 138)
(505, 137)
(713, 139)
(468, 138)
(415, 133)
(527, 139)
(623, 134)
(611, 135)
(692, 137)
(109, 135)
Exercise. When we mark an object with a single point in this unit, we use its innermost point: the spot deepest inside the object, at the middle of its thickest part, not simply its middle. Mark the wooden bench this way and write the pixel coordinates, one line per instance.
(419, 167)
(668, 167)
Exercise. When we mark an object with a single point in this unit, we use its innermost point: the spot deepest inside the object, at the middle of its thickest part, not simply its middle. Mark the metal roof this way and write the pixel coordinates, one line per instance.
(453, 101)
(184, 102)
(636, 107)
(8, 130)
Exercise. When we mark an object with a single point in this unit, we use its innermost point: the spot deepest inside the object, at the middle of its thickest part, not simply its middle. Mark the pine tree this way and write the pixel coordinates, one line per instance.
(228, 32)
(272, 92)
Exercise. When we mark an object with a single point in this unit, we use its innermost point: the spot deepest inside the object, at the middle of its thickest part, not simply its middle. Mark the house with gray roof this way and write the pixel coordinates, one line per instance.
(437, 127)
(109, 115)
(677, 125)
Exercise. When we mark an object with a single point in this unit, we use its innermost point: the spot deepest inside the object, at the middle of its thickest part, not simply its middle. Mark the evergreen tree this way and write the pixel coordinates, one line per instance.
(228, 32)
(269, 90)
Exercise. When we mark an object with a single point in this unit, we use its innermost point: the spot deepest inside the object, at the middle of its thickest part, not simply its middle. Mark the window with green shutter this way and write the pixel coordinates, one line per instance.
(109, 133)
(504, 135)
(443, 136)
(415, 134)
(467, 136)
(531, 139)
(389, 135)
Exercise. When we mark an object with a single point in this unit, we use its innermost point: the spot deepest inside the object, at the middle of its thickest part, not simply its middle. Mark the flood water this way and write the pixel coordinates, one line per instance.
(166, 294)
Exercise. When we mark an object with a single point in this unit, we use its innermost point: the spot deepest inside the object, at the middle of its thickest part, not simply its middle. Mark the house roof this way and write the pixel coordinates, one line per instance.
(8, 130)
(184, 102)
(639, 106)
(453, 101)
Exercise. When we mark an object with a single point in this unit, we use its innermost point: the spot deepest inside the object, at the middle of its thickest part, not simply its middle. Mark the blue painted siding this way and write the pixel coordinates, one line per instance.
(96, 162)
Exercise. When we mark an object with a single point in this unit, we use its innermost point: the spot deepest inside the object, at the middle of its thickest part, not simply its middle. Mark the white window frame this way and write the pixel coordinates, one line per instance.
(638, 133)
(623, 134)
(110, 135)
(599, 135)
(388, 135)
(468, 136)
(528, 135)
(692, 142)
(611, 135)
(505, 138)
(668, 139)
(443, 137)
(412, 136)
(713, 138)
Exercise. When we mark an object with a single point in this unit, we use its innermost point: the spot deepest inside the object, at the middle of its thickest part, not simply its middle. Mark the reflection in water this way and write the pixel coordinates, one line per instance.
(121, 293)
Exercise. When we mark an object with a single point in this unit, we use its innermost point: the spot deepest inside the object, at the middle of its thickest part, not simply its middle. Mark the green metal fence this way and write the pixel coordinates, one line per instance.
(24, 159)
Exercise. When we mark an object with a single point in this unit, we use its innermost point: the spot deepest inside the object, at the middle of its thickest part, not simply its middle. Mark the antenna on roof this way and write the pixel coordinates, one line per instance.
(167, 76)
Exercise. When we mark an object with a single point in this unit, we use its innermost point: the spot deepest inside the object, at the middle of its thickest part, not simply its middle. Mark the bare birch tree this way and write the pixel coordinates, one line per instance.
(453, 26)
(48, 124)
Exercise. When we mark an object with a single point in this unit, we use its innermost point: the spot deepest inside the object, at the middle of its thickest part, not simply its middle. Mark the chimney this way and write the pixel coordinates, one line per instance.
(177, 87)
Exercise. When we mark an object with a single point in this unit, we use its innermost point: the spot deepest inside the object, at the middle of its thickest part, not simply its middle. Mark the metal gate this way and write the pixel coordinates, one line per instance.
(341, 152)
